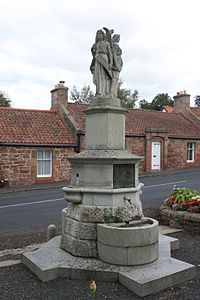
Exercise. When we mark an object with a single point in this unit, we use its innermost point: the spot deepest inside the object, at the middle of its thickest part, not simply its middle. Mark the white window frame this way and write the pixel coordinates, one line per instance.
(190, 151)
(43, 159)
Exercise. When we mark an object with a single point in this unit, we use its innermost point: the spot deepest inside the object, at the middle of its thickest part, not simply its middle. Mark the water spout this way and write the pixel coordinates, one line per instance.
(128, 200)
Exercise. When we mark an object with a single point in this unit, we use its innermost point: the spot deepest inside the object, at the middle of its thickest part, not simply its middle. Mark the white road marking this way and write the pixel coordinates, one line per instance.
(31, 203)
(161, 184)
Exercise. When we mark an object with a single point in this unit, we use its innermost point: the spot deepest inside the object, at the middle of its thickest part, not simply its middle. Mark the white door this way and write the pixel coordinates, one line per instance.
(155, 161)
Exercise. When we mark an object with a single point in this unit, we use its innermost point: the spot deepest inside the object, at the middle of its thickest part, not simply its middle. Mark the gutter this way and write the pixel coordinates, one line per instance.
(184, 138)
(38, 145)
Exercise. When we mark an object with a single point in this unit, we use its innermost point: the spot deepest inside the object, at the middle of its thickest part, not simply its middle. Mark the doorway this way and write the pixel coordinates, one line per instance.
(155, 160)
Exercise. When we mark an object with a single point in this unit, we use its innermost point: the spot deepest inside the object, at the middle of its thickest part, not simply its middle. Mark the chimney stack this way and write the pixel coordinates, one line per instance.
(59, 95)
(181, 102)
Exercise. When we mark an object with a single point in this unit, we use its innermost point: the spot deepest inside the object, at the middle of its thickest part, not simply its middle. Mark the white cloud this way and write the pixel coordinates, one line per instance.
(43, 42)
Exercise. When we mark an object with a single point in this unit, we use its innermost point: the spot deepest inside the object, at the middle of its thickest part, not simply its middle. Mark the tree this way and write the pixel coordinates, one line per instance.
(127, 97)
(197, 101)
(158, 102)
(144, 104)
(4, 100)
(84, 96)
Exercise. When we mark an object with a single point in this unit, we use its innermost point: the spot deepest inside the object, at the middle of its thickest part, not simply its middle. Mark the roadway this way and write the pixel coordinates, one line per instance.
(36, 209)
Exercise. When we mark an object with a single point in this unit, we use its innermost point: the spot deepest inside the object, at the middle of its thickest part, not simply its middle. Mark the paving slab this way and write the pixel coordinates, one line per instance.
(46, 262)
(151, 278)
(163, 229)
(85, 269)
(10, 262)
(168, 240)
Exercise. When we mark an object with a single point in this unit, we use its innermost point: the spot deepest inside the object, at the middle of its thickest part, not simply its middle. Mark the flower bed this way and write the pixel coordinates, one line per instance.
(182, 209)
(184, 199)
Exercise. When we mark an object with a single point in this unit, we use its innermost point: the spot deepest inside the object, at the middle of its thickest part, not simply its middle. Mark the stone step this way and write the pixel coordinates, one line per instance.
(154, 277)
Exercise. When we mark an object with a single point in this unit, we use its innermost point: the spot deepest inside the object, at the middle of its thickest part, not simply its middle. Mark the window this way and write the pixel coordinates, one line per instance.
(44, 163)
(190, 152)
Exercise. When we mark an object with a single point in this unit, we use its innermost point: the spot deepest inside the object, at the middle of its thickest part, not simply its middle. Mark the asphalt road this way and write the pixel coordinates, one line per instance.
(32, 210)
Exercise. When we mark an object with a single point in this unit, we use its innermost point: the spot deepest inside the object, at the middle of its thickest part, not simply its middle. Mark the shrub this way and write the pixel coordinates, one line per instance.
(184, 199)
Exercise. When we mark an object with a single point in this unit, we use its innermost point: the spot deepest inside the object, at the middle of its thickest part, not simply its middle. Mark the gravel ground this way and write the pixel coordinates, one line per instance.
(17, 282)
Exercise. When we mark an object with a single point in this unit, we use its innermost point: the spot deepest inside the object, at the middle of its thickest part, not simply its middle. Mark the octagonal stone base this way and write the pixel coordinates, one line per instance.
(50, 262)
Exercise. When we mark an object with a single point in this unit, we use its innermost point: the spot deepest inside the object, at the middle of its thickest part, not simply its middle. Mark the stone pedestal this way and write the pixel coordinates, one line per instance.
(105, 128)
(104, 185)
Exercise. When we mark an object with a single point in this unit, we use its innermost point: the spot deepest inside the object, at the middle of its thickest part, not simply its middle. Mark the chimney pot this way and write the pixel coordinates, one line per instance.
(59, 95)
(181, 101)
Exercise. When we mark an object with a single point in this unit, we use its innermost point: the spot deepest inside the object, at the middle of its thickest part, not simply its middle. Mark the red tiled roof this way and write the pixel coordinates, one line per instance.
(76, 110)
(195, 111)
(137, 121)
(24, 126)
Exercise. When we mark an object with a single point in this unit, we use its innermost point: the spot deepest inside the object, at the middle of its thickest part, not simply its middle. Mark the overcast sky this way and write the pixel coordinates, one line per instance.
(44, 41)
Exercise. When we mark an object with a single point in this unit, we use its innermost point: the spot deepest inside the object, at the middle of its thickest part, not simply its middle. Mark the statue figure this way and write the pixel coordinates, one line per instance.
(101, 66)
(107, 63)
(117, 65)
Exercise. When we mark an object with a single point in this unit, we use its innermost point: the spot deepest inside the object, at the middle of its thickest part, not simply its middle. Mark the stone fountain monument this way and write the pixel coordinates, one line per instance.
(104, 233)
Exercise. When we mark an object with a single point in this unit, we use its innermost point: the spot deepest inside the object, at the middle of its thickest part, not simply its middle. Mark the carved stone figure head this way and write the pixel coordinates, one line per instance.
(100, 35)
(116, 38)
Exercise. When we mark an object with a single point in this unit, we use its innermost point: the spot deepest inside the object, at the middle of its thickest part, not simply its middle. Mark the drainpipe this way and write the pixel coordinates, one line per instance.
(78, 143)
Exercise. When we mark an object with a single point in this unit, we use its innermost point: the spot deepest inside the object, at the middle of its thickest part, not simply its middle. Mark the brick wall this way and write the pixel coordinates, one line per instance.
(136, 145)
(19, 165)
(177, 154)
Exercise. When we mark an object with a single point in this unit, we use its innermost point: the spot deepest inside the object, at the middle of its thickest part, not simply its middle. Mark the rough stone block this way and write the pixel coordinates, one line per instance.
(78, 247)
(85, 231)
(100, 214)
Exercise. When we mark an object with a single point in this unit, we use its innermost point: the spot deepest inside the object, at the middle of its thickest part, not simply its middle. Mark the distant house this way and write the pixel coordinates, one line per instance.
(168, 109)
(34, 144)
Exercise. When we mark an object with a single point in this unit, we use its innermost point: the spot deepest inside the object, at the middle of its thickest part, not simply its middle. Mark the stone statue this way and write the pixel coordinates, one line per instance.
(101, 66)
(117, 65)
(107, 63)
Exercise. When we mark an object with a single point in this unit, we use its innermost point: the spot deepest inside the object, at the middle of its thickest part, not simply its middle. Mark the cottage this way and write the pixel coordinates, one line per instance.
(34, 144)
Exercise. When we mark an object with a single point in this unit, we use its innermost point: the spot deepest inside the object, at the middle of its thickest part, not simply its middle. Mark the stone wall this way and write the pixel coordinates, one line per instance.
(180, 219)
(177, 154)
(19, 165)
(173, 151)
(136, 145)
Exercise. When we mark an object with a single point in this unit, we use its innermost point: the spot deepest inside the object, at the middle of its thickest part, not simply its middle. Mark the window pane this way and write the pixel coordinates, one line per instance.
(190, 151)
(47, 167)
(47, 154)
(44, 162)
(39, 155)
(39, 168)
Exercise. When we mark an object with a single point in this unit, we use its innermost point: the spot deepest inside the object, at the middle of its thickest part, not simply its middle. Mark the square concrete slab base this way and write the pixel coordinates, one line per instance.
(50, 262)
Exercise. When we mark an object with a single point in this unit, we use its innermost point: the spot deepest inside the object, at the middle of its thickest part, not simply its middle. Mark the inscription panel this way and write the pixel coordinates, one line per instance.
(123, 176)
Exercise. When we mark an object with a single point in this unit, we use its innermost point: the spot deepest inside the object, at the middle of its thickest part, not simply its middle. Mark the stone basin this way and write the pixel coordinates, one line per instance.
(131, 245)
(141, 223)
